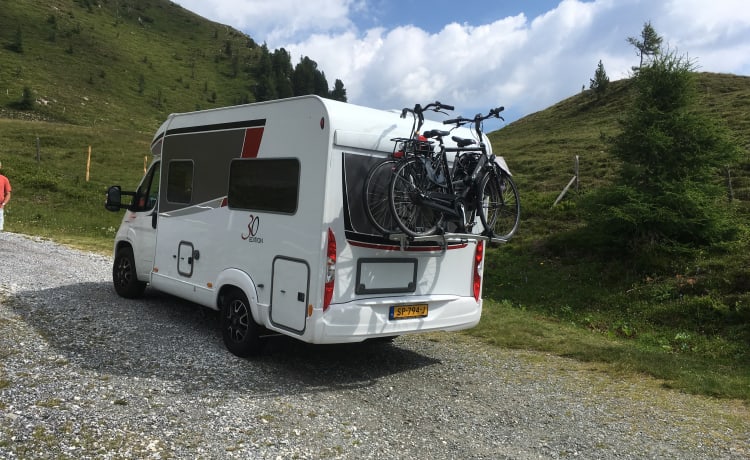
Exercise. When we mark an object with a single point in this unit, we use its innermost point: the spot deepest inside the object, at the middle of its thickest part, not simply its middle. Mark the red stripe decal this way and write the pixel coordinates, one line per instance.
(251, 146)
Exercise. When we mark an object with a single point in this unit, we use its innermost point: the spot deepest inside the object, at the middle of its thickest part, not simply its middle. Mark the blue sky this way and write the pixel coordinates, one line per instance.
(433, 15)
(476, 54)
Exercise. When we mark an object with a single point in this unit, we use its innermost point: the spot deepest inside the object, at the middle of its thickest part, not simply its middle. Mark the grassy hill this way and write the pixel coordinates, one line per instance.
(541, 147)
(120, 63)
(104, 75)
(688, 322)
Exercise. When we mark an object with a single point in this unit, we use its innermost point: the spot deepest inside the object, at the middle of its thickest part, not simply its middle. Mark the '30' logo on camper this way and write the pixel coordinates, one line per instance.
(252, 230)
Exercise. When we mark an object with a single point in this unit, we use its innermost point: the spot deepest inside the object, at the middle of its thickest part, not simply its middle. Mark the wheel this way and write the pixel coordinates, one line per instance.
(375, 196)
(498, 205)
(124, 275)
(408, 186)
(238, 328)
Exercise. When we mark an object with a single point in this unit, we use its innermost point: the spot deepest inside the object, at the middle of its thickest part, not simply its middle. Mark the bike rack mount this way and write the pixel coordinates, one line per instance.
(443, 240)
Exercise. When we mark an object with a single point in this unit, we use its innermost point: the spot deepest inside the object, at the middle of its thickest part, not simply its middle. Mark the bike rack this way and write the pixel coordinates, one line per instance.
(443, 240)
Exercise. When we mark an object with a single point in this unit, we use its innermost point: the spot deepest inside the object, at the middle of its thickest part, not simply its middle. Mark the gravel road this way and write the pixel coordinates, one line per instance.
(86, 374)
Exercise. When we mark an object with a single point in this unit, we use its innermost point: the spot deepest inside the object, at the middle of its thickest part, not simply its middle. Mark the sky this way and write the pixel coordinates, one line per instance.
(525, 55)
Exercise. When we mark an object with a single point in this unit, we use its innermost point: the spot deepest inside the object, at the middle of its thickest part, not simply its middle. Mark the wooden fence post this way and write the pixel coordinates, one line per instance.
(572, 181)
(88, 164)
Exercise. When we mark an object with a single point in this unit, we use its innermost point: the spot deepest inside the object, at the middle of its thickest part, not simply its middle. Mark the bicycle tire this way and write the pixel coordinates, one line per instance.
(498, 205)
(409, 182)
(375, 197)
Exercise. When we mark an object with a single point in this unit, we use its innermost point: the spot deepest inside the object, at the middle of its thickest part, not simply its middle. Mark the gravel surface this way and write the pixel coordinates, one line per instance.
(86, 374)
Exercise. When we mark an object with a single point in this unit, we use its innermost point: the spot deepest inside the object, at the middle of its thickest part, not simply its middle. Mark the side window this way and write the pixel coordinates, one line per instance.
(264, 185)
(180, 181)
(148, 192)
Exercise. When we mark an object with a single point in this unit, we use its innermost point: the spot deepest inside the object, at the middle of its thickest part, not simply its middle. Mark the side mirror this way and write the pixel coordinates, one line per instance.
(114, 199)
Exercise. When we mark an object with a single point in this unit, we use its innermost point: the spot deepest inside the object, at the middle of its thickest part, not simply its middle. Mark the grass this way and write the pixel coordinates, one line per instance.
(109, 80)
(693, 343)
(51, 196)
(127, 63)
(687, 323)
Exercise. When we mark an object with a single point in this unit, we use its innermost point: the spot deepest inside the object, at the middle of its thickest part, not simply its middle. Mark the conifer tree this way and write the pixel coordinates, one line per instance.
(17, 44)
(599, 83)
(649, 45)
(339, 92)
(668, 195)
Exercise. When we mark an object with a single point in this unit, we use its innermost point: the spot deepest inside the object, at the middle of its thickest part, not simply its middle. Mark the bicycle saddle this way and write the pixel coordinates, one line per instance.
(463, 142)
(435, 133)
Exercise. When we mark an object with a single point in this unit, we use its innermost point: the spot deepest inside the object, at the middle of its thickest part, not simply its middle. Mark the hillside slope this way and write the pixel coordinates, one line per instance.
(121, 63)
(541, 147)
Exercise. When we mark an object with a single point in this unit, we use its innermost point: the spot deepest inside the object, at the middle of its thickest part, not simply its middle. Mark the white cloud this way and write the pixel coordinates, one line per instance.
(524, 64)
(277, 21)
(510, 62)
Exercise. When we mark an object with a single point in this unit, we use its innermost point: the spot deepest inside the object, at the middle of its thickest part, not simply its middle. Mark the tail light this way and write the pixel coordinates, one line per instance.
(330, 270)
(477, 282)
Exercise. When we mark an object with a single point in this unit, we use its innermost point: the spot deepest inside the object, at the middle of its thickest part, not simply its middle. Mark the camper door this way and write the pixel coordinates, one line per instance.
(141, 218)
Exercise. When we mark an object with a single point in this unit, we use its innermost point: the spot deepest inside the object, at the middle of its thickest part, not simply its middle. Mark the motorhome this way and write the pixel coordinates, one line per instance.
(256, 211)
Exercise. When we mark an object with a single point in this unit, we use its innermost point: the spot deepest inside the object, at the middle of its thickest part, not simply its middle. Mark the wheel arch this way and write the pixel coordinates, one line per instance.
(123, 244)
(233, 278)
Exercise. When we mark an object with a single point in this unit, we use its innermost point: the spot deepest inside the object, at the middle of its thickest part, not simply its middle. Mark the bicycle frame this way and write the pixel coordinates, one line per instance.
(451, 203)
(427, 196)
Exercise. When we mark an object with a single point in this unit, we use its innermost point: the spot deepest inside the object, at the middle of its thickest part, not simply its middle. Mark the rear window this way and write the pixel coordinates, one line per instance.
(270, 185)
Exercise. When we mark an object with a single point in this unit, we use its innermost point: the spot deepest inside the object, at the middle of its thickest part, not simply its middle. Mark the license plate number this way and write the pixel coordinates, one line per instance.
(408, 311)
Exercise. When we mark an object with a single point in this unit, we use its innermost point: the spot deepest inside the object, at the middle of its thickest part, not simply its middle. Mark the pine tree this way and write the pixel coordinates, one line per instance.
(27, 99)
(339, 92)
(17, 44)
(668, 195)
(281, 66)
(600, 82)
(265, 90)
(649, 45)
(307, 79)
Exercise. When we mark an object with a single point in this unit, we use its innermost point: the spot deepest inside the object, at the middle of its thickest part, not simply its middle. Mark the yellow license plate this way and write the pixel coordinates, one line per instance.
(408, 311)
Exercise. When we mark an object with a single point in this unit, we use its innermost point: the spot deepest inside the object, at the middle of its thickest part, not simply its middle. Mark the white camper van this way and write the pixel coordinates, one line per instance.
(256, 211)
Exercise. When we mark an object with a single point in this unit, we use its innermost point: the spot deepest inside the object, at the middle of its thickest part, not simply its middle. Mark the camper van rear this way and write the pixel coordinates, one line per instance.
(256, 211)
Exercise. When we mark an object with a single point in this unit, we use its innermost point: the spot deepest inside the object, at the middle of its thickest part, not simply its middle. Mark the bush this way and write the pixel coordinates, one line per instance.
(26, 102)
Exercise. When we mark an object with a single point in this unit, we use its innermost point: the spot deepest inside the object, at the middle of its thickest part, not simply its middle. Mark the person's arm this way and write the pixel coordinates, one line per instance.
(7, 198)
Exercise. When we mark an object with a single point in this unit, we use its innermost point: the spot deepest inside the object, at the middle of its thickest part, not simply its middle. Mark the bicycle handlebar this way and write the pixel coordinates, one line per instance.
(419, 110)
(446, 106)
(493, 113)
(418, 113)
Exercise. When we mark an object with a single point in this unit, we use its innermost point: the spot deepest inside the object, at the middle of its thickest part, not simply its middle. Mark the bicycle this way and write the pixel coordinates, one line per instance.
(375, 197)
(426, 195)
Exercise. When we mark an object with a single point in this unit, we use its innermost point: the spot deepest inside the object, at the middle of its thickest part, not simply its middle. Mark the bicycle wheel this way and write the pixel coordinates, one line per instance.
(409, 185)
(498, 205)
(375, 196)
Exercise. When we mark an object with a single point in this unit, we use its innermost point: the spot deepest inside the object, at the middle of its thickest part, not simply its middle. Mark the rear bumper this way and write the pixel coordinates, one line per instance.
(368, 318)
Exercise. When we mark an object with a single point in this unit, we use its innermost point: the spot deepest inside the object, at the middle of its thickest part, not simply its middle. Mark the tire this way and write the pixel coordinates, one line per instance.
(375, 196)
(124, 276)
(238, 328)
(498, 205)
(409, 181)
